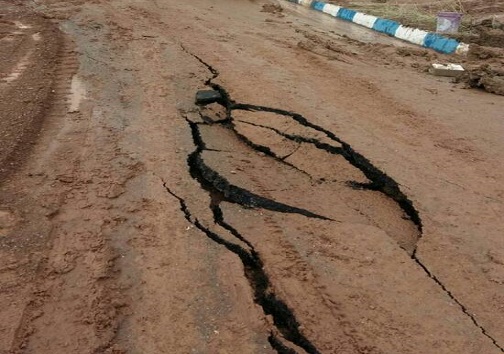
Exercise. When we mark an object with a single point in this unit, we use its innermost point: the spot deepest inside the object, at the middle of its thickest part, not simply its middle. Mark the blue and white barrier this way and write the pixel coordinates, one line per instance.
(392, 28)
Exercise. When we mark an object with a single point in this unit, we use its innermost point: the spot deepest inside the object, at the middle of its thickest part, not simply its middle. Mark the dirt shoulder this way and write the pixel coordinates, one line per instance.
(482, 27)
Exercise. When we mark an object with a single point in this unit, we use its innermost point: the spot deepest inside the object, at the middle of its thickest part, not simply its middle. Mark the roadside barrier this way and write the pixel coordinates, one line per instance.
(416, 36)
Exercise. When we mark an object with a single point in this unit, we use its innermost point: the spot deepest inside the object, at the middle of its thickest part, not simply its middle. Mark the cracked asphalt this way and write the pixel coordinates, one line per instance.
(331, 198)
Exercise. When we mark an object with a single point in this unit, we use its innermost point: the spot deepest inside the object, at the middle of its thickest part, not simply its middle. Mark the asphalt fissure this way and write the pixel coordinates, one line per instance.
(283, 318)
(379, 181)
(211, 180)
(280, 347)
(265, 150)
(221, 190)
(454, 299)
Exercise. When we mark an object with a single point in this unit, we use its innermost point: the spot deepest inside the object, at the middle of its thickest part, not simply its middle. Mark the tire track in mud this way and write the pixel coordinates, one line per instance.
(46, 84)
(56, 109)
(31, 71)
(17, 46)
(220, 190)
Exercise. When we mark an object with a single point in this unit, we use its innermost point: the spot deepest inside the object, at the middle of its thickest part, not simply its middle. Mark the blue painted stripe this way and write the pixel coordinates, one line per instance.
(346, 14)
(440, 43)
(386, 26)
(432, 40)
(318, 5)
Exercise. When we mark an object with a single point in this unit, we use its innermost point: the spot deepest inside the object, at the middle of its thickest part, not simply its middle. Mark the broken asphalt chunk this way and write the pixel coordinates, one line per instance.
(205, 97)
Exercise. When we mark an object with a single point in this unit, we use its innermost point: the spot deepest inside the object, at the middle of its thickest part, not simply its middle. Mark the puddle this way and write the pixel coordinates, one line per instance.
(78, 93)
(18, 69)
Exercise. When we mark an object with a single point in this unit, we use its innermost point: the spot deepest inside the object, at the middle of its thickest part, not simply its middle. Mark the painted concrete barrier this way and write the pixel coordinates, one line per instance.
(392, 28)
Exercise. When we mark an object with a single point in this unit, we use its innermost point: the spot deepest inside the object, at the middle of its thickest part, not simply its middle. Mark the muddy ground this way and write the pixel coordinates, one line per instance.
(333, 198)
(482, 27)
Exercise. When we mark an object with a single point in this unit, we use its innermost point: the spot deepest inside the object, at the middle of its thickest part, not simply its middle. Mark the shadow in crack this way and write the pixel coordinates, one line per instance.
(402, 210)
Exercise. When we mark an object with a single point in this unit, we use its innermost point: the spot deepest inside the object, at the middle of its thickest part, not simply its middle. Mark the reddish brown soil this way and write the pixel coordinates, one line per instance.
(339, 200)
(25, 98)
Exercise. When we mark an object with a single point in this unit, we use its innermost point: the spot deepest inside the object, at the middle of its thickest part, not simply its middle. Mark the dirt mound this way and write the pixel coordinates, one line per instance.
(272, 8)
(492, 37)
(484, 69)
(28, 52)
(485, 77)
(477, 52)
(483, 35)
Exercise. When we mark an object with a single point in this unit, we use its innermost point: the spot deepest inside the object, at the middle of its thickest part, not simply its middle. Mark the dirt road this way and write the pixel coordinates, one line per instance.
(335, 198)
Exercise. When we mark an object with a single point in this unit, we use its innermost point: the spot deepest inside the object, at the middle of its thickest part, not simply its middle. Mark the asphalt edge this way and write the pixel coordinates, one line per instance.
(416, 36)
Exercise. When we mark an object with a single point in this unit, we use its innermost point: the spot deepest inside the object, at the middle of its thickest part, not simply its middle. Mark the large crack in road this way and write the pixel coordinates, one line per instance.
(380, 181)
(220, 189)
(284, 320)
(212, 181)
